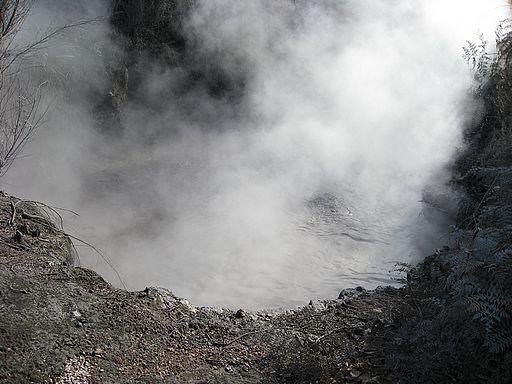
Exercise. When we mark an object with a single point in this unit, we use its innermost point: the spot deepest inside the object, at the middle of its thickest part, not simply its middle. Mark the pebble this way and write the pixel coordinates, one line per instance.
(240, 314)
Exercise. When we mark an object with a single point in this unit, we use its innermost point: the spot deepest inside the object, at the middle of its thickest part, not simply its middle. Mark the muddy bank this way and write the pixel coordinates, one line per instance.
(65, 324)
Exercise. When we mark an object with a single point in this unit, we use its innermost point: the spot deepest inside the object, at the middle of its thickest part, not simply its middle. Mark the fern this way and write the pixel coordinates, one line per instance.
(499, 338)
(485, 288)
(479, 58)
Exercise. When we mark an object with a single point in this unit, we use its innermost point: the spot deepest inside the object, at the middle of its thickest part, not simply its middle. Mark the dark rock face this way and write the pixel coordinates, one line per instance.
(108, 109)
(150, 24)
(155, 37)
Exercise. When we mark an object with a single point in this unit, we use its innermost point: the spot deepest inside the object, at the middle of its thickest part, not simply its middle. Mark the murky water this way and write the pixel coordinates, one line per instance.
(307, 182)
(227, 257)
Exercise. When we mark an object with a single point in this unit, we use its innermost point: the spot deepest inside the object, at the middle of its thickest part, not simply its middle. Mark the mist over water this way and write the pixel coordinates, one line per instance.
(310, 180)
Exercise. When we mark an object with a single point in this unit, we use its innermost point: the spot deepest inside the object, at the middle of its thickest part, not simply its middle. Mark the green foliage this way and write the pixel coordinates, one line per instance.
(492, 70)
(478, 57)
(485, 288)
(482, 278)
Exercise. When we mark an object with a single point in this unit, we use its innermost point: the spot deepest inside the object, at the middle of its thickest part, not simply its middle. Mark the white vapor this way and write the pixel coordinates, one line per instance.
(311, 183)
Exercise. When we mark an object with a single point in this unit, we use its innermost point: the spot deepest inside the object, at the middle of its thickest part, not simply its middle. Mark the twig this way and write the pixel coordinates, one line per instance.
(24, 291)
(37, 218)
(335, 330)
(345, 305)
(221, 344)
(60, 209)
(482, 200)
(76, 254)
(35, 45)
(9, 244)
(105, 259)
(42, 221)
(13, 216)
(54, 210)
(363, 319)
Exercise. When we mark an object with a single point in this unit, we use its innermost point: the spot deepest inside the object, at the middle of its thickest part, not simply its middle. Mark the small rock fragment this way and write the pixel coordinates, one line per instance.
(77, 314)
(355, 373)
(18, 236)
(229, 369)
(240, 314)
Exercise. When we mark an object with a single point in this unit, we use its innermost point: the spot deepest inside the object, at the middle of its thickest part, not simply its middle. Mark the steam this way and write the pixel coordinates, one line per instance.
(308, 182)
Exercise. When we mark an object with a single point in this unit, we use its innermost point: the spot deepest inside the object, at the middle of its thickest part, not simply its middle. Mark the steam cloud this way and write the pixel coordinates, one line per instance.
(308, 183)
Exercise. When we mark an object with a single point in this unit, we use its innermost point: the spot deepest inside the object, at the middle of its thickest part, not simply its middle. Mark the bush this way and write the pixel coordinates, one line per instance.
(493, 73)
(19, 105)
